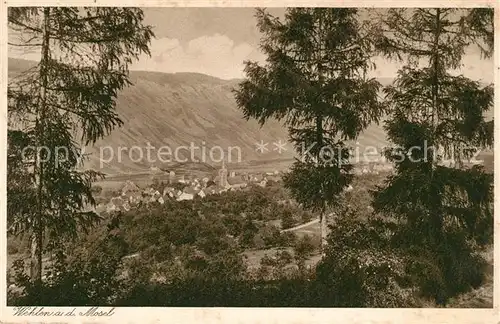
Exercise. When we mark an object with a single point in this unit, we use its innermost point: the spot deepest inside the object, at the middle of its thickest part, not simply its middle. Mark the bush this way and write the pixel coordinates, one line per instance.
(379, 263)
(271, 235)
(444, 270)
(287, 239)
(306, 217)
(96, 189)
(12, 247)
(258, 242)
(18, 244)
(361, 267)
(304, 247)
(83, 273)
(248, 232)
(287, 220)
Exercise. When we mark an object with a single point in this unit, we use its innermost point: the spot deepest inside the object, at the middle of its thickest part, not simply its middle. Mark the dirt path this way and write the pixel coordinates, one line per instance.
(300, 226)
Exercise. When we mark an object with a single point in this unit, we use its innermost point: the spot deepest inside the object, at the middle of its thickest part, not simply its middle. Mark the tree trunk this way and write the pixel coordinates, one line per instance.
(324, 233)
(435, 87)
(37, 236)
(36, 253)
(436, 221)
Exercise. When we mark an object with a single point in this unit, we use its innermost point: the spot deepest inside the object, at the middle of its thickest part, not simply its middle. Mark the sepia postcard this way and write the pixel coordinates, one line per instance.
(250, 162)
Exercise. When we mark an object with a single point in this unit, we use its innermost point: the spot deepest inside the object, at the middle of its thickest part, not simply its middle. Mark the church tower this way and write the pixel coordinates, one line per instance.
(223, 175)
(171, 177)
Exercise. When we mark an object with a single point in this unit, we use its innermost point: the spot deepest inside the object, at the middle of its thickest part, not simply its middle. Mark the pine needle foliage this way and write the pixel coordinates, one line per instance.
(436, 122)
(59, 105)
(314, 81)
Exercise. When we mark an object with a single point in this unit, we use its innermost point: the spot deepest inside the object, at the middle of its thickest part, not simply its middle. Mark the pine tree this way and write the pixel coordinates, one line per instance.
(70, 91)
(314, 81)
(480, 22)
(436, 117)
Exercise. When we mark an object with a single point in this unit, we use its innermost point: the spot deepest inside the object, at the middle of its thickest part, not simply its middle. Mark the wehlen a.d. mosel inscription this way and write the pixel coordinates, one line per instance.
(46, 311)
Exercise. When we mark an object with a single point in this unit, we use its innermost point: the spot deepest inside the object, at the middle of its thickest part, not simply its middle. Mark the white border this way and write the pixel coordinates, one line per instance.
(250, 315)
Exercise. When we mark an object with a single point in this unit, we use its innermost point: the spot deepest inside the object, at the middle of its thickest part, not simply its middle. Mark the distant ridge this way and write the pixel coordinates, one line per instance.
(175, 109)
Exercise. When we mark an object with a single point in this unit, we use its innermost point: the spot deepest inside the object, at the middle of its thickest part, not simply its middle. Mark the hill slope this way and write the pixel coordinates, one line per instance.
(173, 110)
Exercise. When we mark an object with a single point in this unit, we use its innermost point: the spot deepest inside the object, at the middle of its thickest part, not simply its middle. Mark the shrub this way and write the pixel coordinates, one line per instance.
(446, 269)
(361, 267)
(387, 264)
(82, 273)
(287, 220)
(287, 239)
(258, 242)
(18, 244)
(304, 247)
(248, 233)
(96, 189)
(306, 217)
(12, 246)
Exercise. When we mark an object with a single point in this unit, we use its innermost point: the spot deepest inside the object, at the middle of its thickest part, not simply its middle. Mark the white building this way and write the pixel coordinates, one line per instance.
(185, 196)
(126, 206)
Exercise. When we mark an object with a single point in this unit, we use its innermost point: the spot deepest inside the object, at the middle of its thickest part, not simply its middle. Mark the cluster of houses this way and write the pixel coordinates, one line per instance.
(372, 168)
(178, 188)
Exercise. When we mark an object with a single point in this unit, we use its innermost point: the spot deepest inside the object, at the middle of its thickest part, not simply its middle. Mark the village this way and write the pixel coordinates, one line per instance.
(182, 187)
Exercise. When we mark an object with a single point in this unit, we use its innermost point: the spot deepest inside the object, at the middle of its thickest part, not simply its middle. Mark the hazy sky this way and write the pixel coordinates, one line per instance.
(216, 41)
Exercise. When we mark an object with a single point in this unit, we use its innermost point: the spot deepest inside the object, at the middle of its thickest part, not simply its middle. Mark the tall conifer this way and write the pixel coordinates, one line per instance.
(437, 123)
(83, 64)
(314, 80)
